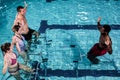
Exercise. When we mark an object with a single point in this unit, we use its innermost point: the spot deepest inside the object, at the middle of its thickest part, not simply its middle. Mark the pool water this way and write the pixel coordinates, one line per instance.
(65, 50)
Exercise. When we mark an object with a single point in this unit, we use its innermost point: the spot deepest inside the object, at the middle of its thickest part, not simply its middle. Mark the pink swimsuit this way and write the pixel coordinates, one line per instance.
(13, 61)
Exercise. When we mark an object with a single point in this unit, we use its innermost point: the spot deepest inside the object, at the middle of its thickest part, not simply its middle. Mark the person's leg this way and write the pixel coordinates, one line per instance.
(92, 57)
(14, 71)
(96, 61)
(29, 42)
(17, 75)
(25, 56)
(93, 53)
(35, 33)
(25, 68)
(28, 38)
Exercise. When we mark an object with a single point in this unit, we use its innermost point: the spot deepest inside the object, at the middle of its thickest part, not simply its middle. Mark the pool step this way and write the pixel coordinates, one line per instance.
(44, 25)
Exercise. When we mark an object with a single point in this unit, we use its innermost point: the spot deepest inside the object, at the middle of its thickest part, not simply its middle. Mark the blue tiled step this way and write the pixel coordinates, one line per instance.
(81, 73)
(44, 26)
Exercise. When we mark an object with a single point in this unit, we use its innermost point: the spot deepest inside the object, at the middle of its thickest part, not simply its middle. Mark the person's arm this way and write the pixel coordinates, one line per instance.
(25, 5)
(110, 50)
(14, 25)
(98, 24)
(16, 22)
(110, 47)
(13, 42)
(18, 48)
(5, 66)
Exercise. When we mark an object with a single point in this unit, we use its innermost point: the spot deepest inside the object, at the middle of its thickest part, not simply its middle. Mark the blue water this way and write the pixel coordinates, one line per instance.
(59, 53)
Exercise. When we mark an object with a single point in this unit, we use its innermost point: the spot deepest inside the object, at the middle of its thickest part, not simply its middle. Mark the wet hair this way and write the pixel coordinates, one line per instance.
(5, 47)
(16, 27)
(107, 28)
(19, 7)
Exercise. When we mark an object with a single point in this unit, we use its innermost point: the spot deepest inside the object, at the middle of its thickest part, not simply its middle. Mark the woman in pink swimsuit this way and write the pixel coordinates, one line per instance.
(10, 62)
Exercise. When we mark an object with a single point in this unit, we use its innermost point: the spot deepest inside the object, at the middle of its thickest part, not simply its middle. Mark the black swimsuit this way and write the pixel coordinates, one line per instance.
(28, 36)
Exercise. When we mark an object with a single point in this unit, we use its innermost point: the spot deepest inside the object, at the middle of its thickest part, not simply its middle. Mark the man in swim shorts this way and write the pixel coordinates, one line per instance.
(21, 20)
(104, 45)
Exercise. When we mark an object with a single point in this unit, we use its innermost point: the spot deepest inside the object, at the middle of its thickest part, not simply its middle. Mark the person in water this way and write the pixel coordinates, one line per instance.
(19, 41)
(21, 20)
(104, 45)
(10, 62)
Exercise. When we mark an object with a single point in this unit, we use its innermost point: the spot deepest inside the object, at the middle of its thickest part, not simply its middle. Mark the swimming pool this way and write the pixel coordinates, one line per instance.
(66, 62)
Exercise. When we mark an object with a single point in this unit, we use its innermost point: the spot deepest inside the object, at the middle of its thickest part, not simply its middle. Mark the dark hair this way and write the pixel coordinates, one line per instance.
(16, 27)
(19, 7)
(107, 28)
(5, 47)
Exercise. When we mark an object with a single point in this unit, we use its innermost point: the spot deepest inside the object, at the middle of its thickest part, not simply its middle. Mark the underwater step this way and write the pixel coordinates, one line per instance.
(75, 61)
(49, 0)
(48, 43)
(35, 53)
(45, 60)
(72, 45)
(80, 73)
(44, 25)
(49, 40)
